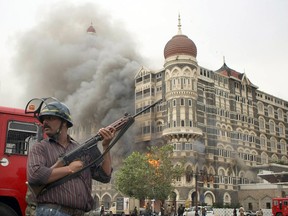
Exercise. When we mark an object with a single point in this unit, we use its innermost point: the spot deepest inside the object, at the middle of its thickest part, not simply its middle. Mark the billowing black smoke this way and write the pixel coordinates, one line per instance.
(92, 73)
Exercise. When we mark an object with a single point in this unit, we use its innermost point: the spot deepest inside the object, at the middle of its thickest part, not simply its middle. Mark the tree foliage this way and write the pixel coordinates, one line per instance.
(148, 175)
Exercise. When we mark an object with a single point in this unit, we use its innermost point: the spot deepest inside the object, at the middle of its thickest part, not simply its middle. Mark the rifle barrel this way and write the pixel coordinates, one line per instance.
(152, 105)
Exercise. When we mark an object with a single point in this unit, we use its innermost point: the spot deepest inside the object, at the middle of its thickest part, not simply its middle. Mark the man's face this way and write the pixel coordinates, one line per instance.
(51, 124)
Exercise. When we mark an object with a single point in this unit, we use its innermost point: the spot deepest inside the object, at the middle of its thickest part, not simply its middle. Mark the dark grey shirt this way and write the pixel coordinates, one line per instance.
(74, 193)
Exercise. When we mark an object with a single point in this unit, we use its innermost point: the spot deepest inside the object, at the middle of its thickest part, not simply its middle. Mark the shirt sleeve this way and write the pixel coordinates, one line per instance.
(37, 170)
(99, 174)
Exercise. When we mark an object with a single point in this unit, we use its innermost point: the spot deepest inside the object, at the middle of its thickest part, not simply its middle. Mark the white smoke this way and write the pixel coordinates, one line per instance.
(92, 74)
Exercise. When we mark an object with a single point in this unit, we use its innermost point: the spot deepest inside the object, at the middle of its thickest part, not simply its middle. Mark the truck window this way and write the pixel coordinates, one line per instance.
(120, 204)
(19, 135)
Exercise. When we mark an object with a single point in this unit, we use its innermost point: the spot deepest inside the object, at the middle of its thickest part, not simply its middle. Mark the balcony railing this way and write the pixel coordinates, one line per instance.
(183, 131)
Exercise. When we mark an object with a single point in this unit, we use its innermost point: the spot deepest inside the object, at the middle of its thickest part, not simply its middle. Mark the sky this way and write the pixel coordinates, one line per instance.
(43, 50)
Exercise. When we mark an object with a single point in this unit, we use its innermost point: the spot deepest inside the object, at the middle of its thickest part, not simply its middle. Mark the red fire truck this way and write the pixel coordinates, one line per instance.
(280, 206)
(17, 131)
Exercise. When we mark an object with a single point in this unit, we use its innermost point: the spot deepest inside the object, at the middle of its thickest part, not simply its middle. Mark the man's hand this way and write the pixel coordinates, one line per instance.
(75, 166)
(107, 134)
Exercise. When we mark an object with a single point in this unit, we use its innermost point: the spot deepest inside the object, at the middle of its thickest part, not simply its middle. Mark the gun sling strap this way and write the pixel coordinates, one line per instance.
(95, 162)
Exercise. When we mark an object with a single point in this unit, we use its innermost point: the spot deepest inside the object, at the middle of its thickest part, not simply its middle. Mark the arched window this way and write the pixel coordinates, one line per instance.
(239, 134)
(263, 142)
(174, 103)
(242, 179)
(241, 153)
(252, 137)
(209, 199)
(229, 130)
(218, 129)
(280, 114)
(227, 199)
(260, 107)
(281, 130)
(274, 158)
(270, 111)
(230, 176)
(272, 127)
(189, 174)
(283, 146)
(253, 156)
(223, 131)
(159, 127)
(190, 123)
(264, 158)
(228, 152)
(246, 136)
(273, 144)
(182, 123)
(284, 159)
(178, 178)
(261, 123)
(221, 150)
(221, 176)
(247, 155)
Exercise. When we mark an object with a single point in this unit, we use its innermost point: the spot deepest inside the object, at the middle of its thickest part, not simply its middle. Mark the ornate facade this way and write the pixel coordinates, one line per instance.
(219, 121)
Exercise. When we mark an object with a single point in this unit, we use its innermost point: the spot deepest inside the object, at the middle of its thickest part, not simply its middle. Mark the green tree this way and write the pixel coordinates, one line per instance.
(148, 175)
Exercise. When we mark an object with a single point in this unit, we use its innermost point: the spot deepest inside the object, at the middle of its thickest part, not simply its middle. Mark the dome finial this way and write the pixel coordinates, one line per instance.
(179, 25)
(224, 62)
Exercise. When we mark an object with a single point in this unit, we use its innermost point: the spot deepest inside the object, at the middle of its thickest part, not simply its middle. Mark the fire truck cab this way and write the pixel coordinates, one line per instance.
(280, 206)
(18, 131)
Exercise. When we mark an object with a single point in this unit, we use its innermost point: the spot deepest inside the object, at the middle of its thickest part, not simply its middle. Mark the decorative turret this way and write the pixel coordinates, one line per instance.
(180, 44)
(181, 89)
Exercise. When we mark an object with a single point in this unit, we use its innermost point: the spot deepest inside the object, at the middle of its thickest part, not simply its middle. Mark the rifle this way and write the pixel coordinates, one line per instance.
(89, 150)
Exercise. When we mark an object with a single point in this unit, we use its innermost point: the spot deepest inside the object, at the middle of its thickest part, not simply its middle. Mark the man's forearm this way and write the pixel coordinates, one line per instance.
(107, 163)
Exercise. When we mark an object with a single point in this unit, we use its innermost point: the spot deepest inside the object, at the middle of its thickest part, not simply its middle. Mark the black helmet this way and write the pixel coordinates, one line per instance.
(58, 109)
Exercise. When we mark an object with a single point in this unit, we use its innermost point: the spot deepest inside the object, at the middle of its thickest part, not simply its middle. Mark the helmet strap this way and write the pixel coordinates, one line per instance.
(58, 132)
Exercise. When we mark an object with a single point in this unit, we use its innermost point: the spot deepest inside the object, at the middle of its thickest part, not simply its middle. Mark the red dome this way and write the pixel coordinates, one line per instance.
(91, 29)
(180, 44)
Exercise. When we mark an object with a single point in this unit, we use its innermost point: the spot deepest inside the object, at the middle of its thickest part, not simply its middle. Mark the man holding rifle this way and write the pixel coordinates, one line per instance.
(72, 197)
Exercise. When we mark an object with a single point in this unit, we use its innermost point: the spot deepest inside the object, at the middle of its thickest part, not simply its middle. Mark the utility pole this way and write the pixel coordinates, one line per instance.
(196, 188)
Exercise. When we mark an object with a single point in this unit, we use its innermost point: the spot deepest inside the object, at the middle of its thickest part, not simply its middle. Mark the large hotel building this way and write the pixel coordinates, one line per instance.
(226, 127)
(219, 120)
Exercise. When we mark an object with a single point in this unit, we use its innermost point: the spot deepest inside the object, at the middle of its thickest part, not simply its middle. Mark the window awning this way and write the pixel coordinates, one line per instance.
(275, 178)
